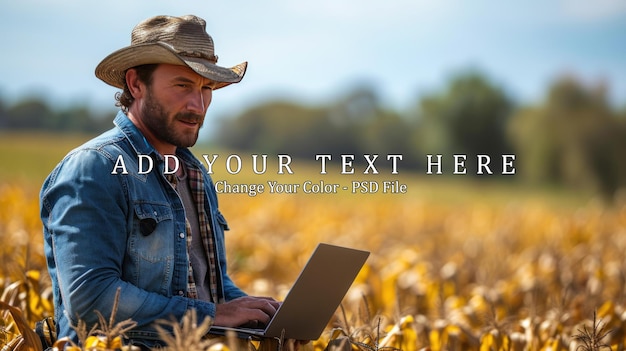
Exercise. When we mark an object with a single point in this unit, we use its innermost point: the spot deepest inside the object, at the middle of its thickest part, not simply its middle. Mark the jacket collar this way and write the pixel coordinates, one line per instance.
(134, 136)
(141, 145)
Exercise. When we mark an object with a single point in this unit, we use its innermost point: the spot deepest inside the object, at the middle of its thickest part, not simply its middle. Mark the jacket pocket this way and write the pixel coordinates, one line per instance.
(221, 220)
(151, 246)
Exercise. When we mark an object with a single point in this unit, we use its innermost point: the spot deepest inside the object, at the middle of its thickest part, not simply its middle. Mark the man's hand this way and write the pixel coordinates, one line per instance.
(244, 310)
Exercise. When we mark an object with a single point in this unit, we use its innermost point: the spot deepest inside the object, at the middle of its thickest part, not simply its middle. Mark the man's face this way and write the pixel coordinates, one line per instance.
(175, 105)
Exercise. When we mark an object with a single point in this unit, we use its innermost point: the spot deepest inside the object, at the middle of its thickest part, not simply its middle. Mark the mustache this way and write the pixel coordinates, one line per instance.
(190, 117)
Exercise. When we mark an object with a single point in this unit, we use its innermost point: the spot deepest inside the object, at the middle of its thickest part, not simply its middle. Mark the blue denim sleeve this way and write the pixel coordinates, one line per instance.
(84, 212)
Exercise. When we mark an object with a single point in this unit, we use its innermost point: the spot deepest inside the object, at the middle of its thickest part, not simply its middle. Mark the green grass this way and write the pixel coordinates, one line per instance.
(30, 156)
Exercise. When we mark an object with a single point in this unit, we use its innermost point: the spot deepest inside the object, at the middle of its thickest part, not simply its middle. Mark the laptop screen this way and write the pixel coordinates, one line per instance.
(314, 297)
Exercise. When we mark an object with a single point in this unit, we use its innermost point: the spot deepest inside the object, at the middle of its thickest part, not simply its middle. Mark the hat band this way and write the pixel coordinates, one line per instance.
(197, 54)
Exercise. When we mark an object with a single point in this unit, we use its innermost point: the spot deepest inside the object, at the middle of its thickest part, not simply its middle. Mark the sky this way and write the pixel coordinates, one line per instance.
(314, 51)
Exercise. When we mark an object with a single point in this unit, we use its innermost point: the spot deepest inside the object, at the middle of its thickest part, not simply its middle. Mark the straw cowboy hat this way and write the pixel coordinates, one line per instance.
(174, 40)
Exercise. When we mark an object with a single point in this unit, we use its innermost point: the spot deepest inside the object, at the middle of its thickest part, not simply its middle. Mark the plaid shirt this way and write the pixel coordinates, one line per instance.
(196, 184)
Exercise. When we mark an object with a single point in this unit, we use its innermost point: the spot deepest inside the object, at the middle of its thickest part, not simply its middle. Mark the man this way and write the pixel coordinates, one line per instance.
(157, 237)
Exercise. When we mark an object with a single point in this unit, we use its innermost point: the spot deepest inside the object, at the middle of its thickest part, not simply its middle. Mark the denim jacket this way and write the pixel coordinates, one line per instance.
(104, 232)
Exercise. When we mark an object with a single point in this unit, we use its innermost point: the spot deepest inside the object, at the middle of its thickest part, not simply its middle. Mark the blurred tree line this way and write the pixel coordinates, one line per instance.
(34, 113)
(573, 137)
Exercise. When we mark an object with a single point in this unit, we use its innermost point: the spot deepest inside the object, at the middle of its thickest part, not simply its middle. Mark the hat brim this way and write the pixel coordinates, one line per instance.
(112, 69)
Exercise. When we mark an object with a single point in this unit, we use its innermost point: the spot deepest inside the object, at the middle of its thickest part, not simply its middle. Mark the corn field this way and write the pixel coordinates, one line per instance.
(474, 275)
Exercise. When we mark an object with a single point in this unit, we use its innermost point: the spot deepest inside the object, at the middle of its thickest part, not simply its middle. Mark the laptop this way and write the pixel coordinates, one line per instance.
(314, 297)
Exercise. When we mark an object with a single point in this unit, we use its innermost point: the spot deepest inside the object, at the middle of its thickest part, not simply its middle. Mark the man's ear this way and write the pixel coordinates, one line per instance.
(135, 86)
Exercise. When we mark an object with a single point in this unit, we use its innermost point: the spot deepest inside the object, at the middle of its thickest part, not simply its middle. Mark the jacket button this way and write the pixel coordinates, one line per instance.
(181, 235)
(181, 293)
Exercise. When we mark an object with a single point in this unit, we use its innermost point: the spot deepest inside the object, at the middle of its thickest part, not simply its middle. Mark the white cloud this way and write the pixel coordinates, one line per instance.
(315, 48)
(593, 11)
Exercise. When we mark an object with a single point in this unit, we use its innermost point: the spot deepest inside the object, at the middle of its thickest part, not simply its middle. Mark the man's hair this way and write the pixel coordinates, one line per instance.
(125, 98)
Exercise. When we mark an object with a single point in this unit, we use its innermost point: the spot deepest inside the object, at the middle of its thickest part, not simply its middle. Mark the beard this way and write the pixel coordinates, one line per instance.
(157, 120)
